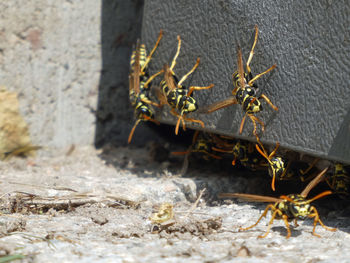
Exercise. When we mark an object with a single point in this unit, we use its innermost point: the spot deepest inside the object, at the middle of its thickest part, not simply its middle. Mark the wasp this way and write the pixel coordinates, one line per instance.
(139, 93)
(177, 96)
(339, 181)
(245, 153)
(245, 91)
(288, 207)
(281, 169)
(276, 163)
(202, 143)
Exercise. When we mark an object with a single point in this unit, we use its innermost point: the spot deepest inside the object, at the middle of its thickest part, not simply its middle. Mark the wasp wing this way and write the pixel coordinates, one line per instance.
(250, 197)
(134, 77)
(169, 78)
(240, 67)
(218, 105)
(157, 90)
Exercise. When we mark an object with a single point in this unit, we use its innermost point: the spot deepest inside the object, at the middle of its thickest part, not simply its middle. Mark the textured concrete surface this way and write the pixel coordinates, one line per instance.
(124, 187)
(50, 54)
(309, 42)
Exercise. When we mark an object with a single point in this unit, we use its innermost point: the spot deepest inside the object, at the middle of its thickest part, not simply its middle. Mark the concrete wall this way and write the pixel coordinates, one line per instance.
(69, 63)
(50, 54)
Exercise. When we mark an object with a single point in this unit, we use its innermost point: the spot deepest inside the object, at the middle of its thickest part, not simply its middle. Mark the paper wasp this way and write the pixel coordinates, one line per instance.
(276, 163)
(202, 143)
(281, 169)
(339, 181)
(245, 91)
(177, 96)
(243, 152)
(288, 207)
(139, 93)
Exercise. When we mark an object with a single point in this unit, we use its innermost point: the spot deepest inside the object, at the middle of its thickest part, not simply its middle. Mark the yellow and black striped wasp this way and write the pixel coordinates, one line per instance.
(202, 143)
(282, 169)
(339, 180)
(139, 81)
(244, 153)
(288, 207)
(276, 164)
(245, 91)
(177, 96)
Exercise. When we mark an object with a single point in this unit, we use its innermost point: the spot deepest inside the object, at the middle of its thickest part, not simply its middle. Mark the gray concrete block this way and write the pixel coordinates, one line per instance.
(309, 42)
(50, 54)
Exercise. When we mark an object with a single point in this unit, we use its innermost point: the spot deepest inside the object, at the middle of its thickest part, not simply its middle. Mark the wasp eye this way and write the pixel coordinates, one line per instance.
(294, 209)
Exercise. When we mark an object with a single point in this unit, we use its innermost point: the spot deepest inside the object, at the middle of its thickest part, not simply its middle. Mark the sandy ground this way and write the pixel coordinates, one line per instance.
(91, 205)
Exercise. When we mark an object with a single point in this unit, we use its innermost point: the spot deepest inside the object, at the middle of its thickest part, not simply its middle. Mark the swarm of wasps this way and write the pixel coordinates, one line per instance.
(254, 156)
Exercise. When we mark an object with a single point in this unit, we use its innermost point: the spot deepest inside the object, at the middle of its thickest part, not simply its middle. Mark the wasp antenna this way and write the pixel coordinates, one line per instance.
(325, 193)
(133, 130)
(273, 182)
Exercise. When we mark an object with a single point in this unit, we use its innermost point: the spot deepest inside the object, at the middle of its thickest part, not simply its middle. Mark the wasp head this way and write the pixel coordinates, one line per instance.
(277, 167)
(189, 104)
(299, 208)
(144, 113)
(252, 105)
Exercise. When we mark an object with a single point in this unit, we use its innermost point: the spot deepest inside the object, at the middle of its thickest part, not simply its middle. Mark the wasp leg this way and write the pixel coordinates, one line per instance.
(194, 120)
(303, 172)
(214, 156)
(250, 83)
(195, 137)
(317, 219)
(252, 50)
(151, 78)
(148, 101)
(144, 118)
(173, 63)
(272, 154)
(183, 119)
(221, 150)
(242, 124)
(268, 101)
(254, 120)
(277, 211)
(180, 118)
(192, 88)
(296, 223)
(189, 73)
(270, 206)
(285, 219)
(148, 59)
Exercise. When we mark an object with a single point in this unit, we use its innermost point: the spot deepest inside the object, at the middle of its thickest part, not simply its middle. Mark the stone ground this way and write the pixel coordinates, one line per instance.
(88, 205)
